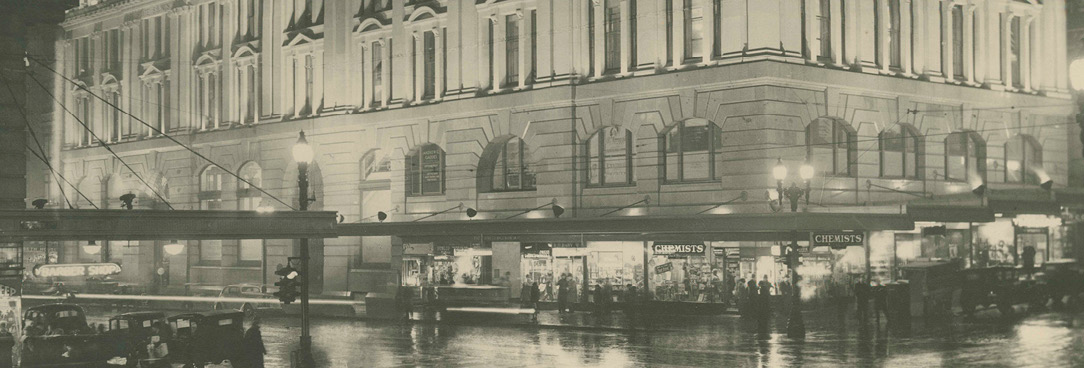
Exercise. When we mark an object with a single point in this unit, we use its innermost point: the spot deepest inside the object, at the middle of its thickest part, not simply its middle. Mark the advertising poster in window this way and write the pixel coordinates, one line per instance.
(432, 172)
(11, 257)
(10, 307)
(615, 146)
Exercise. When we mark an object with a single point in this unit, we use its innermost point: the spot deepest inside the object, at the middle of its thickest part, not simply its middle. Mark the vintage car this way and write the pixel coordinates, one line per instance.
(58, 335)
(1064, 281)
(230, 295)
(132, 333)
(1003, 287)
(210, 337)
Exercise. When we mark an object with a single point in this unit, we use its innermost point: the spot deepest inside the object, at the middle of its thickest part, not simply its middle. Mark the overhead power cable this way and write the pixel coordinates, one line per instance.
(159, 131)
(101, 141)
(43, 156)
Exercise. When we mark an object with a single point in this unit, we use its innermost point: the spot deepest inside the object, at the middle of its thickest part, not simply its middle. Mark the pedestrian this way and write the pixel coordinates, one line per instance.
(573, 296)
(535, 295)
(405, 299)
(525, 292)
(751, 293)
(766, 298)
(739, 295)
(880, 302)
(562, 294)
(861, 298)
(632, 299)
(253, 343)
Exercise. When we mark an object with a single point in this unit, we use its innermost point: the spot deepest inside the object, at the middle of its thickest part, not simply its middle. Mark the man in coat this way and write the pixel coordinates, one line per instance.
(253, 342)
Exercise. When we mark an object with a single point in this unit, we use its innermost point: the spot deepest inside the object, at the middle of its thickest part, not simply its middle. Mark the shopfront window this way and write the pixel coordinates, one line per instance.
(686, 272)
(461, 266)
(615, 265)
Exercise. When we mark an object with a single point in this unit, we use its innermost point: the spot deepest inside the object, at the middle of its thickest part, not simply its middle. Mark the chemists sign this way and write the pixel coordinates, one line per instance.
(678, 250)
(838, 239)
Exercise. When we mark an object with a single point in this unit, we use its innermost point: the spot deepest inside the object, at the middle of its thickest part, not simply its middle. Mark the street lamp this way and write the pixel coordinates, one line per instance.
(303, 155)
(795, 324)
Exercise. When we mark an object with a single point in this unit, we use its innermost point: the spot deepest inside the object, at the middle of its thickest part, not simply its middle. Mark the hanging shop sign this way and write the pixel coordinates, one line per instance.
(664, 268)
(677, 250)
(838, 239)
(77, 270)
(535, 248)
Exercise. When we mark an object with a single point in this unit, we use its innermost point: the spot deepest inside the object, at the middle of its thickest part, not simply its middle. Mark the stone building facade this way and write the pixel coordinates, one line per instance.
(417, 106)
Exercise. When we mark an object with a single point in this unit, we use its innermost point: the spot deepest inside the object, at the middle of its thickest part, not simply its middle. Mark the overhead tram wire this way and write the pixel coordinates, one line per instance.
(43, 156)
(159, 131)
(101, 141)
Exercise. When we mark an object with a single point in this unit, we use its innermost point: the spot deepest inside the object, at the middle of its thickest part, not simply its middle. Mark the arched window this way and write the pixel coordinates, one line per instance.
(506, 166)
(375, 165)
(832, 146)
(692, 151)
(1023, 160)
(247, 195)
(609, 157)
(901, 152)
(965, 157)
(210, 188)
(425, 171)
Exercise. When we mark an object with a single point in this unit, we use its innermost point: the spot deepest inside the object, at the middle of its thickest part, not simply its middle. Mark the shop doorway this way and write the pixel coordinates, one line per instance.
(577, 267)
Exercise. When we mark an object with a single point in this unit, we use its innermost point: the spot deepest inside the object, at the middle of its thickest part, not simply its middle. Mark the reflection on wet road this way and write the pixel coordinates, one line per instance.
(1045, 340)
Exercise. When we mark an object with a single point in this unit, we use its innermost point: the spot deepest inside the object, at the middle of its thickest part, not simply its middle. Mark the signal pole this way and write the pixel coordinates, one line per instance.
(303, 154)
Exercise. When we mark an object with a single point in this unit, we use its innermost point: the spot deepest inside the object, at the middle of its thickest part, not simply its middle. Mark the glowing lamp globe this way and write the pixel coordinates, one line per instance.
(302, 150)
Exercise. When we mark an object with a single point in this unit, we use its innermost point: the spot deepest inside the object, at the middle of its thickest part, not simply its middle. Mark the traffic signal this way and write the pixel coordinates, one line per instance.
(288, 284)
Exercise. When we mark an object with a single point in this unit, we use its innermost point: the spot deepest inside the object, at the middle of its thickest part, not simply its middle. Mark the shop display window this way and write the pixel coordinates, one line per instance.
(614, 266)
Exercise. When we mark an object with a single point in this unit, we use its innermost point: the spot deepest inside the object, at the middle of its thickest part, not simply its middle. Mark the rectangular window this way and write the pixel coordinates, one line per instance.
(669, 33)
(444, 59)
(211, 250)
(252, 94)
(378, 72)
(430, 51)
(115, 58)
(632, 34)
(144, 36)
(492, 45)
(717, 23)
(694, 30)
(309, 83)
(894, 34)
(251, 250)
(165, 36)
(511, 50)
(1014, 52)
(212, 101)
(843, 29)
(115, 116)
(533, 67)
(212, 25)
(591, 38)
(163, 107)
(877, 21)
(958, 42)
(391, 70)
(613, 35)
(1003, 34)
(252, 18)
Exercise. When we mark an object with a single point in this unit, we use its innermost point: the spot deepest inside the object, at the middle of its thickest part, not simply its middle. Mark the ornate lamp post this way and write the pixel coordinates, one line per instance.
(795, 324)
(303, 155)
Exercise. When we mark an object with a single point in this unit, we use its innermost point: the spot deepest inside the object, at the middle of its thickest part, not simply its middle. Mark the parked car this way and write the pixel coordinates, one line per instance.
(210, 337)
(246, 291)
(131, 333)
(58, 335)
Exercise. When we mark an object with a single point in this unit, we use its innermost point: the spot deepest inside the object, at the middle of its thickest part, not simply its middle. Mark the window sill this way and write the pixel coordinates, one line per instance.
(691, 182)
(611, 186)
(511, 191)
(425, 195)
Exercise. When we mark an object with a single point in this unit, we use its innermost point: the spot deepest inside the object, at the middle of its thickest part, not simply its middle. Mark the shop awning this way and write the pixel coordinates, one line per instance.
(938, 213)
(733, 223)
(1069, 197)
(60, 224)
(1017, 201)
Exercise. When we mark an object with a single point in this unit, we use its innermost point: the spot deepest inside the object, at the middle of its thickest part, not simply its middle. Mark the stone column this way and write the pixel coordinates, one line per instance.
(626, 36)
(679, 32)
(1006, 50)
(905, 36)
(884, 28)
(812, 30)
(918, 51)
(438, 69)
(947, 40)
(418, 73)
(708, 39)
(545, 14)
(524, 48)
(385, 82)
(969, 42)
(1025, 53)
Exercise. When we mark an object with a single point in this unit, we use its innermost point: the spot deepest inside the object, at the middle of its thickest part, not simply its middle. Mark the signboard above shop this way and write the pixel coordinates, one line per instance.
(77, 270)
(678, 250)
(838, 239)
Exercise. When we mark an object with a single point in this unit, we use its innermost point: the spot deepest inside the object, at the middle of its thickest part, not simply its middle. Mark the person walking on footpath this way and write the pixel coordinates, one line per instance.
(880, 302)
(562, 294)
(536, 294)
(739, 298)
(254, 349)
(861, 298)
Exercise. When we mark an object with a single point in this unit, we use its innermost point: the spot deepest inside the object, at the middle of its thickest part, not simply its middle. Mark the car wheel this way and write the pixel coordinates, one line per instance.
(218, 306)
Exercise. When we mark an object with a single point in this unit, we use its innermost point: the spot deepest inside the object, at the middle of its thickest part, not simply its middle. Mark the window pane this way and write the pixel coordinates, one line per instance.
(512, 169)
(673, 155)
(616, 146)
(910, 164)
(511, 49)
(613, 34)
(594, 160)
(251, 249)
(528, 174)
(210, 250)
(1014, 161)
